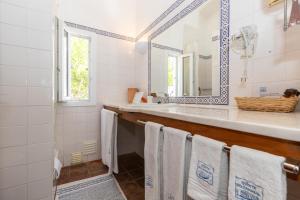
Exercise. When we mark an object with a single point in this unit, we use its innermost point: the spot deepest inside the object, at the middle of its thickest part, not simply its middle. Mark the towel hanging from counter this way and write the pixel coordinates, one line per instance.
(208, 176)
(256, 175)
(153, 161)
(109, 154)
(176, 157)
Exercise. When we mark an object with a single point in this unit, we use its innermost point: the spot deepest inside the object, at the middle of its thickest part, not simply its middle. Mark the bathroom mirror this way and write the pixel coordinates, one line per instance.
(188, 55)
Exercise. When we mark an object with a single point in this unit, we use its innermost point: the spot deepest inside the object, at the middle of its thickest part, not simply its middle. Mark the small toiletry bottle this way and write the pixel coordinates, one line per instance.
(150, 99)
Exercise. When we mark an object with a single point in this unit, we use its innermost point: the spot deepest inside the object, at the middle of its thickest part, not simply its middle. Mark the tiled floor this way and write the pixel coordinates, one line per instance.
(130, 177)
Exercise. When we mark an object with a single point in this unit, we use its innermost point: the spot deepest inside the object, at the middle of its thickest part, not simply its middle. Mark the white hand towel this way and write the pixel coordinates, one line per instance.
(57, 167)
(175, 164)
(109, 152)
(208, 177)
(256, 175)
(153, 162)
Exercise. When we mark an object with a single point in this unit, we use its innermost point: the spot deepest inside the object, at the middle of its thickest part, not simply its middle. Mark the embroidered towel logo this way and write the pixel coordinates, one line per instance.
(247, 190)
(149, 182)
(205, 172)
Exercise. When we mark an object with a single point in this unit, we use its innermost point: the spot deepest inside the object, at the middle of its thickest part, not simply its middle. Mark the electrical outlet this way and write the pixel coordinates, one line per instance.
(263, 91)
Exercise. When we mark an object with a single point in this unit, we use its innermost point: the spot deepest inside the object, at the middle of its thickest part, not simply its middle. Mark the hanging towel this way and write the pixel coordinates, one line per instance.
(176, 155)
(208, 177)
(256, 175)
(153, 162)
(109, 152)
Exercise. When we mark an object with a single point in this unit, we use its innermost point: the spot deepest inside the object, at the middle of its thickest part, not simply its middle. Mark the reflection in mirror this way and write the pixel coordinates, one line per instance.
(185, 59)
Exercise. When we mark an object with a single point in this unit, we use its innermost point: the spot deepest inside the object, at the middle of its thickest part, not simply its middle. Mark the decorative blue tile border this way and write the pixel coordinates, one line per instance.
(159, 46)
(223, 98)
(100, 32)
(160, 18)
(84, 184)
(176, 4)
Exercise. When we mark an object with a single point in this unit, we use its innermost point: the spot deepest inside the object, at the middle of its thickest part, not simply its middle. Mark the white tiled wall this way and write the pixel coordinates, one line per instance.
(26, 121)
(114, 74)
(276, 64)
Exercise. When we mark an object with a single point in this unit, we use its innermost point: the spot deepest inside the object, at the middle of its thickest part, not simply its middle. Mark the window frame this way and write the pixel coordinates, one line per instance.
(61, 69)
(174, 55)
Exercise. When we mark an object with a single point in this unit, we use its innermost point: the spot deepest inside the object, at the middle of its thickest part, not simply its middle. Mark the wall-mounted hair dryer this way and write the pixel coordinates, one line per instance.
(245, 44)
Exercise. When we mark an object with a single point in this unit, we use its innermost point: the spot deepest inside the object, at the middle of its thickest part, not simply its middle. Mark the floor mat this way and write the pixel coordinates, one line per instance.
(104, 187)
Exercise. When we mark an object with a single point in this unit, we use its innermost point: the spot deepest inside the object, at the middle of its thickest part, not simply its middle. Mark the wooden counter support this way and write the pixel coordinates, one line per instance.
(286, 148)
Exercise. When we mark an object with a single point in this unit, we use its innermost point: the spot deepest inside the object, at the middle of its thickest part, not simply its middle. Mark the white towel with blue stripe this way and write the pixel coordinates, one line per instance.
(208, 177)
(109, 128)
(256, 175)
(176, 155)
(152, 157)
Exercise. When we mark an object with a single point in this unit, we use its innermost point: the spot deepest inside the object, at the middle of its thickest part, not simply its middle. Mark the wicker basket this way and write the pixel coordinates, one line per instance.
(267, 104)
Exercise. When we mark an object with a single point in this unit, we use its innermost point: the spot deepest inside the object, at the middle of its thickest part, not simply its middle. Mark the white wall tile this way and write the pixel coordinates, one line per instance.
(40, 189)
(292, 65)
(13, 96)
(15, 193)
(41, 5)
(8, 55)
(39, 39)
(268, 18)
(13, 136)
(292, 39)
(13, 176)
(22, 3)
(13, 76)
(40, 115)
(39, 96)
(240, 9)
(39, 152)
(13, 116)
(39, 59)
(270, 42)
(13, 15)
(40, 134)
(40, 20)
(40, 77)
(13, 35)
(26, 132)
(269, 69)
(13, 156)
(40, 170)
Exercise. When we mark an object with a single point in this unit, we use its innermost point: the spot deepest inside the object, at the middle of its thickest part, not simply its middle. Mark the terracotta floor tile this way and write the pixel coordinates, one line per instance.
(141, 182)
(137, 173)
(122, 177)
(130, 165)
(122, 169)
(137, 196)
(130, 187)
(63, 181)
(79, 170)
(65, 172)
(96, 166)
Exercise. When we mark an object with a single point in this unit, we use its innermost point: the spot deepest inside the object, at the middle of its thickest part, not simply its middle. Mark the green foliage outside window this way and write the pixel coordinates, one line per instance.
(170, 75)
(79, 68)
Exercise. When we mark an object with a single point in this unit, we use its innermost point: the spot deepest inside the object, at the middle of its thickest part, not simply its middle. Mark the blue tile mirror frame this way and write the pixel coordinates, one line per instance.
(222, 98)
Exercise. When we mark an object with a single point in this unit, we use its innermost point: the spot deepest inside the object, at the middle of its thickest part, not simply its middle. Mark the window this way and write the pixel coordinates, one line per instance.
(172, 72)
(75, 73)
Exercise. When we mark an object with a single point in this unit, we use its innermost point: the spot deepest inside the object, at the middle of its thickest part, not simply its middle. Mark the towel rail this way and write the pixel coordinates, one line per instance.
(289, 168)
